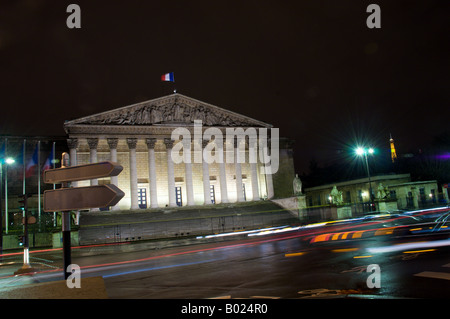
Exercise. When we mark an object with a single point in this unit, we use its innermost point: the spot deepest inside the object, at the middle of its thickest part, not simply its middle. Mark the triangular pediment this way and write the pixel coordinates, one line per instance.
(175, 109)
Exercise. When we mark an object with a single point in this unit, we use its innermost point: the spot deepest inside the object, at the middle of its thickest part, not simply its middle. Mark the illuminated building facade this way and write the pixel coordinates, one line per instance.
(139, 137)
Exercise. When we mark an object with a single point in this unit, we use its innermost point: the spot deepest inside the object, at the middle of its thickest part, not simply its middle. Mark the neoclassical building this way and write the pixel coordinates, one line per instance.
(139, 137)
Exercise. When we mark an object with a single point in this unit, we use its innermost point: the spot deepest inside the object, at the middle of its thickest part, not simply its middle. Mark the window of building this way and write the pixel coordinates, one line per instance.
(393, 194)
(142, 197)
(433, 196)
(348, 197)
(212, 194)
(360, 197)
(178, 196)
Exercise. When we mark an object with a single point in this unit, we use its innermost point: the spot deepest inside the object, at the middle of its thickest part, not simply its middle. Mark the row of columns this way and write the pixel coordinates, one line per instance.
(151, 142)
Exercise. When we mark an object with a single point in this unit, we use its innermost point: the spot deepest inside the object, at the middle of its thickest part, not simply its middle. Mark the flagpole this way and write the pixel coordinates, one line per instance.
(39, 183)
(24, 164)
(24, 169)
(54, 185)
(6, 188)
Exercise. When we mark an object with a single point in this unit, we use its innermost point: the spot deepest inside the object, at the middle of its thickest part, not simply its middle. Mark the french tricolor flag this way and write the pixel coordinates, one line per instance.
(168, 77)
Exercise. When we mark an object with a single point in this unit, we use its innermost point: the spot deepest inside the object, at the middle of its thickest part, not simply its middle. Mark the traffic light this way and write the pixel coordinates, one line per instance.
(23, 202)
(21, 240)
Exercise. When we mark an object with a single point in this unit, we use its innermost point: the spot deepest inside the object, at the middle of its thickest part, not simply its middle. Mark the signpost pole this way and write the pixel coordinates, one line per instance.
(68, 199)
(66, 242)
(65, 220)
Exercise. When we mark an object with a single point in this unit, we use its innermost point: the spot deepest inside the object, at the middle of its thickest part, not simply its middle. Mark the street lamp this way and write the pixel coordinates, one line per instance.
(361, 151)
(8, 161)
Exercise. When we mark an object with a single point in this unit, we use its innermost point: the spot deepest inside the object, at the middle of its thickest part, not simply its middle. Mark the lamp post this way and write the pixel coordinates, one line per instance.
(6, 161)
(360, 151)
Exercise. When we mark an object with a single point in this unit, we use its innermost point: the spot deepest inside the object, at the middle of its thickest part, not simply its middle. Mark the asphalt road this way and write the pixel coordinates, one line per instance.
(283, 269)
(323, 261)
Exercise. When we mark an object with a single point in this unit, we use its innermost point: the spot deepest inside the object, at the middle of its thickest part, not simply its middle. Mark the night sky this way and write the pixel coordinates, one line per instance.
(311, 68)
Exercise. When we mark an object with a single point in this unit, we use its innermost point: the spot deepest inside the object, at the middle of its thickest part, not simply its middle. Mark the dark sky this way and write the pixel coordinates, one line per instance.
(311, 68)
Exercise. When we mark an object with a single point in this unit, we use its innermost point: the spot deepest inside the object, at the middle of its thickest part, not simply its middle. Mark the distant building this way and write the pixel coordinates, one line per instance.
(391, 187)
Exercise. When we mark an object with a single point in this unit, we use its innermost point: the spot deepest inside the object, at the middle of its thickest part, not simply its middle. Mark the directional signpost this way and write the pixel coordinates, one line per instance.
(82, 172)
(67, 199)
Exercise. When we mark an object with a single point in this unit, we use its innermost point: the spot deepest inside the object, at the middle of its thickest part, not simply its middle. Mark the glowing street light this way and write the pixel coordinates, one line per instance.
(9, 161)
(360, 151)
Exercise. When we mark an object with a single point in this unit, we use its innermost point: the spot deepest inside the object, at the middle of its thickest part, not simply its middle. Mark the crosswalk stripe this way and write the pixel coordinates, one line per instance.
(335, 236)
(344, 236)
(433, 274)
(358, 234)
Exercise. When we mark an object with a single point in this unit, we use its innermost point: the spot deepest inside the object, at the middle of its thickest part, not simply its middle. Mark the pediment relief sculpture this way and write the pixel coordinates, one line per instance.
(171, 112)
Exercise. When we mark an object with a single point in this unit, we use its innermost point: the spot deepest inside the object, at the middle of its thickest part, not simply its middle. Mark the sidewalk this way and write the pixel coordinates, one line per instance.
(91, 288)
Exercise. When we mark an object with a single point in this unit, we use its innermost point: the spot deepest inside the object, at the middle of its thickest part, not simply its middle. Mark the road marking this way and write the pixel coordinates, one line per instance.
(322, 293)
(433, 274)
(384, 232)
(158, 268)
(358, 234)
(344, 250)
(368, 256)
(322, 237)
(344, 236)
(355, 269)
(295, 254)
(264, 297)
(418, 251)
(335, 236)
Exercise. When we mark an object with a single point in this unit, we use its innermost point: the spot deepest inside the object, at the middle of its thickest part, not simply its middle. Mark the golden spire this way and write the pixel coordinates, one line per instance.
(393, 154)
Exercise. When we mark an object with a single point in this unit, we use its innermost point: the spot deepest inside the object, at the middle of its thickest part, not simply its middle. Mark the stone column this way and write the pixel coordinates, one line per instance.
(238, 171)
(268, 177)
(253, 168)
(206, 182)
(72, 143)
(152, 172)
(223, 177)
(132, 142)
(187, 155)
(112, 142)
(270, 191)
(170, 172)
(93, 143)
(269, 182)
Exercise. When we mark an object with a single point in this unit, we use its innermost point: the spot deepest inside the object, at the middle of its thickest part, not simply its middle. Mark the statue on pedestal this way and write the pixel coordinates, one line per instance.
(381, 194)
(297, 185)
(336, 196)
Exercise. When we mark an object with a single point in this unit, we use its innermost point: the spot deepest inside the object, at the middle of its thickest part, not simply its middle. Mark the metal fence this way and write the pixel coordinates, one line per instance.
(45, 223)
